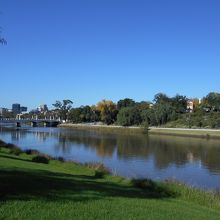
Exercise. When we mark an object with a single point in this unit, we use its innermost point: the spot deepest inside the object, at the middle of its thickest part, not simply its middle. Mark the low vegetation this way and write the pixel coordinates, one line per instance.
(67, 190)
(40, 159)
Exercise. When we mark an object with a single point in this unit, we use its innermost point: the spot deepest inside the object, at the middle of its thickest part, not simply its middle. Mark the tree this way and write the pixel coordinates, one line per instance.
(125, 103)
(161, 98)
(63, 108)
(129, 116)
(179, 102)
(83, 114)
(212, 101)
(164, 112)
(108, 111)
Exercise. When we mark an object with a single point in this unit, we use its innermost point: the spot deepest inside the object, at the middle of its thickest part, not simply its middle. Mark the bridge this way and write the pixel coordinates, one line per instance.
(33, 121)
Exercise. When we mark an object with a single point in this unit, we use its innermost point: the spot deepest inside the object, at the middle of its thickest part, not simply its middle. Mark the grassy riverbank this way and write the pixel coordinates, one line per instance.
(67, 190)
(183, 132)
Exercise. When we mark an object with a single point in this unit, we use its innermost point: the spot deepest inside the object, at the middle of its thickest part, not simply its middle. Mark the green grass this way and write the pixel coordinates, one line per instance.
(66, 190)
(187, 133)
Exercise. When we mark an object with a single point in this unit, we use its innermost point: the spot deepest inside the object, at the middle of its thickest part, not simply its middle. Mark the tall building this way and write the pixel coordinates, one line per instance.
(190, 105)
(3, 111)
(43, 108)
(23, 109)
(16, 108)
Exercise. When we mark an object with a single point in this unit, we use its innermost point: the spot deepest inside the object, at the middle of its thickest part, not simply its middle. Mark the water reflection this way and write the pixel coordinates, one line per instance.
(164, 151)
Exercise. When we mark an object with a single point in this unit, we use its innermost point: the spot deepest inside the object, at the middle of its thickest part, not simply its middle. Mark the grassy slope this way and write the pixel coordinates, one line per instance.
(69, 191)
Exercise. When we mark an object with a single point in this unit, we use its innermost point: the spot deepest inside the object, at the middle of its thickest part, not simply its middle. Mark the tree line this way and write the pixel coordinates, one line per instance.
(163, 110)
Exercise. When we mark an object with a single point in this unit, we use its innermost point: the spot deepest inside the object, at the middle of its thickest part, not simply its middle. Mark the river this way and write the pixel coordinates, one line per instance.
(194, 161)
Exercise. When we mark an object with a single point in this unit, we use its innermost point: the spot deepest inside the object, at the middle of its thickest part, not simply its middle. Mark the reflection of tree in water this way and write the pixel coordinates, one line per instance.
(103, 145)
(179, 151)
(211, 159)
(63, 144)
(132, 146)
(165, 150)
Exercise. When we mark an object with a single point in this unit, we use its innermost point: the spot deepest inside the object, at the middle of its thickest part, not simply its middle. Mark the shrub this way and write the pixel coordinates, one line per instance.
(2, 143)
(41, 159)
(31, 152)
(16, 150)
(100, 169)
(154, 189)
(10, 146)
(143, 183)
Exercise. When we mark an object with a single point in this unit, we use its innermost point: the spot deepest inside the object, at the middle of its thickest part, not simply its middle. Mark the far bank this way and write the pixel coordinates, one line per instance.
(183, 132)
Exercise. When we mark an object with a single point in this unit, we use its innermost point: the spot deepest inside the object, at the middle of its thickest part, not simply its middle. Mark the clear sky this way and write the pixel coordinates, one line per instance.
(88, 50)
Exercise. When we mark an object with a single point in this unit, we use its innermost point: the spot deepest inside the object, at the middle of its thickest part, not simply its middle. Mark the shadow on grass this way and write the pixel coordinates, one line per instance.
(14, 158)
(42, 185)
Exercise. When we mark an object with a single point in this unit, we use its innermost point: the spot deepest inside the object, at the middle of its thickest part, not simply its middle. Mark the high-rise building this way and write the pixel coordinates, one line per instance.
(16, 108)
(43, 108)
(3, 111)
(23, 109)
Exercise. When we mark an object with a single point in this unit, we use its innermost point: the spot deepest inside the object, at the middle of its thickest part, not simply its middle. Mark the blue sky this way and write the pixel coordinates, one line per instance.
(90, 50)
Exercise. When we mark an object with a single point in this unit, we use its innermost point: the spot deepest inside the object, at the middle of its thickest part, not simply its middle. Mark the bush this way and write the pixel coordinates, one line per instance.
(100, 169)
(154, 189)
(31, 152)
(10, 146)
(143, 183)
(16, 151)
(41, 159)
(2, 143)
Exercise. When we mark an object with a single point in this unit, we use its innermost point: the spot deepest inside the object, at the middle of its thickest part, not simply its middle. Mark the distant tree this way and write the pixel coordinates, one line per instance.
(63, 108)
(125, 103)
(179, 102)
(164, 112)
(129, 116)
(108, 111)
(143, 105)
(212, 100)
(161, 98)
(74, 115)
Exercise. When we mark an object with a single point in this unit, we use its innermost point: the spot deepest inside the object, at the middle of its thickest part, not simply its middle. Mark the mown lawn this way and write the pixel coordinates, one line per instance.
(65, 190)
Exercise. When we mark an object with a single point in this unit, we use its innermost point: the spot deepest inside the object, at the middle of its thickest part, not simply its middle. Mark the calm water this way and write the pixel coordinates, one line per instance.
(191, 160)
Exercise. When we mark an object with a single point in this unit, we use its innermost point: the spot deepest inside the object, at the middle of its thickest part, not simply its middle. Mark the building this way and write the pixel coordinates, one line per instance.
(23, 109)
(43, 108)
(190, 105)
(3, 111)
(16, 108)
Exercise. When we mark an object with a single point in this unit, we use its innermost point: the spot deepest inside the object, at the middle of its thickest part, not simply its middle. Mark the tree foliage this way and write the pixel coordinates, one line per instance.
(63, 107)
(129, 116)
(108, 111)
(125, 103)
(171, 111)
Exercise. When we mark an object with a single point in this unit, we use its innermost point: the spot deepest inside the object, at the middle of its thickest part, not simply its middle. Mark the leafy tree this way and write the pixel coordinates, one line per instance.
(179, 102)
(212, 100)
(129, 116)
(164, 112)
(108, 111)
(125, 103)
(63, 108)
(161, 98)
(74, 115)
